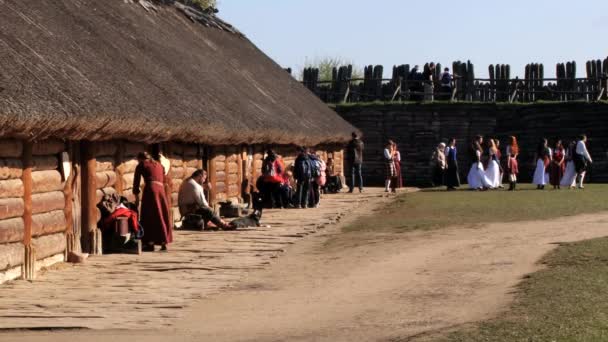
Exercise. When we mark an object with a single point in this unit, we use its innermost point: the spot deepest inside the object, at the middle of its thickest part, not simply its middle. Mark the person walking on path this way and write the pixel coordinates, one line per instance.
(543, 159)
(512, 151)
(154, 206)
(355, 158)
(558, 165)
(452, 177)
(582, 159)
(569, 179)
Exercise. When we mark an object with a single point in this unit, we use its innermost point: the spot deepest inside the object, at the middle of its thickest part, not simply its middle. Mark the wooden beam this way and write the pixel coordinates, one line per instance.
(29, 264)
(212, 176)
(91, 238)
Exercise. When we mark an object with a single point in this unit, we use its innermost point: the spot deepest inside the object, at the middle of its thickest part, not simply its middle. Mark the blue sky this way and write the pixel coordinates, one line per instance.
(390, 32)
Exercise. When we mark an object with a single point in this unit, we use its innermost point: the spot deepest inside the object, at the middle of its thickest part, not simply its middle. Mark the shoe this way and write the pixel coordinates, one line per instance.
(350, 191)
(360, 190)
(164, 248)
(148, 248)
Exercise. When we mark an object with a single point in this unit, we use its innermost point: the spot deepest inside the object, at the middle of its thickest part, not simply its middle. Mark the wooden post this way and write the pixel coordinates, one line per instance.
(68, 209)
(212, 176)
(239, 170)
(29, 264)
(118, 160)
(91, 235)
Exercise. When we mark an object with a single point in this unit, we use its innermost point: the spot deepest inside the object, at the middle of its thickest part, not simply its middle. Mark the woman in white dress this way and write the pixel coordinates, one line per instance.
(492, 174)
(569, 179)
(476, 177)
(543, 158)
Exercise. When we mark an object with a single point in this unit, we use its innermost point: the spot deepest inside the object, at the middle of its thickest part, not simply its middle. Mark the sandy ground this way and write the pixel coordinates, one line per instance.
(364, 287)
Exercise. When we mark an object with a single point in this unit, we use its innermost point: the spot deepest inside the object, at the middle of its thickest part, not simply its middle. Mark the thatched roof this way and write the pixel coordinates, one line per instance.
(86, 69)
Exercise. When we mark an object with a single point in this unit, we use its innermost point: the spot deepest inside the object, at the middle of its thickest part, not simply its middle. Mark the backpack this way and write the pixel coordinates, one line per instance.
(446, 79)
(303, 168)
(316, 167)
(267, 169)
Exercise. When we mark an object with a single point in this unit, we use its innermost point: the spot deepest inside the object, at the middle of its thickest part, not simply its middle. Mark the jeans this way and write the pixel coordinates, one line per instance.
(356, 173)
(302, 194)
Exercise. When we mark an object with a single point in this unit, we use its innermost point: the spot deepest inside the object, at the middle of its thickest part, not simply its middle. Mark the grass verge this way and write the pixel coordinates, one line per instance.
(565, 302)
(434, 208)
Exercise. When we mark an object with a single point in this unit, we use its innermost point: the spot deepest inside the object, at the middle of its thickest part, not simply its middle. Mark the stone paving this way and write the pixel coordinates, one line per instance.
(151, 290)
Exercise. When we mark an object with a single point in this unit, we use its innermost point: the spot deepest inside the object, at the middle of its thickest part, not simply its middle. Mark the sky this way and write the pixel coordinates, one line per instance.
(393, 32)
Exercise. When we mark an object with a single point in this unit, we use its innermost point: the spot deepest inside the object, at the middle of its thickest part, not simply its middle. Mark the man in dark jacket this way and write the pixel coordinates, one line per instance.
(303, 175)
(355, 159)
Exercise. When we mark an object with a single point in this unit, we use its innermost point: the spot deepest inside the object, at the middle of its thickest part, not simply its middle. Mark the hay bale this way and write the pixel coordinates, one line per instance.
(11, 230)
(194, 163)
(220, 166)
(175, 185)
(190, 171)
(47, 202)
(11, 148)
(129, 166)
(48, 223)
(46, 181)
(10, 168)
(177, 172)
(10, 208)
(11, 188)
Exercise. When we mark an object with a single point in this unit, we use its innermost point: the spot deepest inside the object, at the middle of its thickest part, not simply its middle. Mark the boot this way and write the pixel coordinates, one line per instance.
(387, 184)
(511, 186)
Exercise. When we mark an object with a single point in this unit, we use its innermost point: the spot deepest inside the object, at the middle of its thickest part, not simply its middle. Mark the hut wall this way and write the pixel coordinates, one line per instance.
(226, 166)
(185, 159)
(11, 209)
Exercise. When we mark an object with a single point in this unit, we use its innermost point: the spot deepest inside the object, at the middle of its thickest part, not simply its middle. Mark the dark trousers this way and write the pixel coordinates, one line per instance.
(208, 215)
(315, 192)
(302, 193)
(356, 174)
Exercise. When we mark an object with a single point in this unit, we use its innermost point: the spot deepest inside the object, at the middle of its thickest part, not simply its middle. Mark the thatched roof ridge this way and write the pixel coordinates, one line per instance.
(108, 69)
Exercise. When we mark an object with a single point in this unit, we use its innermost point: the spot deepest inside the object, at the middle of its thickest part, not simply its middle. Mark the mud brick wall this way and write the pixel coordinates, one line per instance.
(418, 128)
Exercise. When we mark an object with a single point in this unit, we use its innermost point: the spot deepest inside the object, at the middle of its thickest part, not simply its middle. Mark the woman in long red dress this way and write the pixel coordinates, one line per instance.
(154, 214)
(558, 165)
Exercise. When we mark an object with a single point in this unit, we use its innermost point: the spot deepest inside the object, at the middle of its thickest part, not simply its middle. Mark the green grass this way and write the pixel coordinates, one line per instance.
(435, 209)
(566, 302)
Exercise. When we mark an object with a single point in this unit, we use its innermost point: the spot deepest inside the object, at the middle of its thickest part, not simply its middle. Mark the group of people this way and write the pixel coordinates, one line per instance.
(561, 166)
(298, 185)
(423, 85)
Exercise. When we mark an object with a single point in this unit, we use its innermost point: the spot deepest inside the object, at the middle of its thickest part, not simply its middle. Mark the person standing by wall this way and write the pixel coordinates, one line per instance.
(154, 206)
(543, 159)
(558, 165)
(512, 151)
(389, 154)
(398, 184)
(582, 159)
(569, 179)
(438, 165)
(446, 84)
(452, 177)
(355, 158)
(427, 77)
(303, 175)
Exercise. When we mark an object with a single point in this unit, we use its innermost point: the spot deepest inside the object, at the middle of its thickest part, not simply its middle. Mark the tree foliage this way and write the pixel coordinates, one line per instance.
(204, 4)
(327, 64)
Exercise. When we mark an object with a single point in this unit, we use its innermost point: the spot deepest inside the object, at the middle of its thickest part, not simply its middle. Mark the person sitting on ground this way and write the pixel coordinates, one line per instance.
(334, 182)
(191, 200)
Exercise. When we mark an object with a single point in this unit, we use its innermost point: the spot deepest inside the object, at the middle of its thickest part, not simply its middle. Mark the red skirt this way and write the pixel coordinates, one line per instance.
(154, 216)
(398, 175)
(556, 172)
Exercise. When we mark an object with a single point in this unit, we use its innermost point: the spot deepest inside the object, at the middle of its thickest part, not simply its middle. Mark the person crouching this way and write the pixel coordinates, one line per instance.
(191, 200)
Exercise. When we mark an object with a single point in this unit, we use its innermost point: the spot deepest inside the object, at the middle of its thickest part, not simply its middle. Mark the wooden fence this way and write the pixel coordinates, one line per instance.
(408, 85)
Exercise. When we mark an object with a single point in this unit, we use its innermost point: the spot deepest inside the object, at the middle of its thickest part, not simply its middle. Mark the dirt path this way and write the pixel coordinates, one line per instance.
(393, 287)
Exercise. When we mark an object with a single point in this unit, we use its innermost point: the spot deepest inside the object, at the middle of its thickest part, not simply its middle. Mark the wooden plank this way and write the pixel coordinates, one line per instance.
(12, 230)
(11, 148)
(11, 188)
(10, 168)
(48, 201)
(10, 208)
(48, 223)
(46, 181)
(11, 255)
(48, 147)
(28, 185)
(49, 245)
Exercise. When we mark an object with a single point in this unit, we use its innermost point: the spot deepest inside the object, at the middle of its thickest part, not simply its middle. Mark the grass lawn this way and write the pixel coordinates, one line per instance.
(435, 208)
(566, 302)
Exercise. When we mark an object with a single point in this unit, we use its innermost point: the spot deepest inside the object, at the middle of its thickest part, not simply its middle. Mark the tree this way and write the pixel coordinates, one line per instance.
(326, 66)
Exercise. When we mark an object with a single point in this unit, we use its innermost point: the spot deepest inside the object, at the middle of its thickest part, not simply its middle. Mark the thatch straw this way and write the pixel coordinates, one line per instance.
(103, 70)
